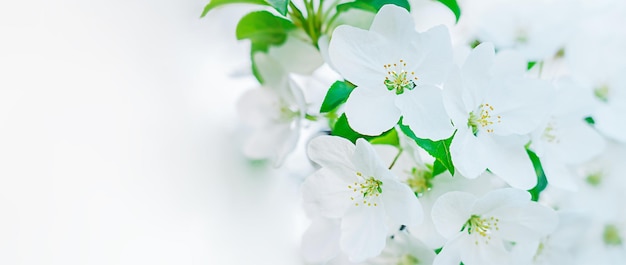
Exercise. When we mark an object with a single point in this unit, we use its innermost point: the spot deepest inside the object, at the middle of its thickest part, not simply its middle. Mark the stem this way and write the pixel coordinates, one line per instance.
(540, 68)
(395, 159)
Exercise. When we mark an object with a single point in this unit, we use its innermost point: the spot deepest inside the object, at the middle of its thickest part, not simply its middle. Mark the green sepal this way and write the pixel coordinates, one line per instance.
(337, 94)
(440, 150)
(453, 6)
(216, 3)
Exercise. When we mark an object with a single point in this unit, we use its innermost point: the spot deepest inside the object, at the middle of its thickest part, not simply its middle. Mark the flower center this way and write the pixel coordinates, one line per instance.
(611, 236)
(550, 133)
(482, 119)
(594, 179)
(602, 93)
(420, 181)
(399, 79)
(408, 259)
(481, 226)
(369, 189)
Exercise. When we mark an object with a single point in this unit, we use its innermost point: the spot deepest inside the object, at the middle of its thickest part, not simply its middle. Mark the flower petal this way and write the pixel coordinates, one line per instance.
(359, 55)
(424, 112)
(467, 154)
(325, 192)
(393, 22)
(320, 242)
(526, 223)
(371, 112)
(401, 204)
(500, 198)
(507, 158)
(363, 232)
(434, 56)
(451, 211)
(333, 153)
(366, 159)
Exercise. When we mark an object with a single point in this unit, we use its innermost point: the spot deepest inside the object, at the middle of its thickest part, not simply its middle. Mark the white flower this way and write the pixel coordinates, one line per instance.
(478, 229)
(355, 187)
(566, 139)
(273, 111)
(397, 72)
(404, 249)
(493, 106)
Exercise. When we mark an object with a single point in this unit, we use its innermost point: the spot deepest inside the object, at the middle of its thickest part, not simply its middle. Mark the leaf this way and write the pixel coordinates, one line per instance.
(342, 129)
(254, 48)
(279, 5)
(542, 181)
(530, 65)
(372, 5)
(216, 3)
(590, 120)
(263, 28)
(453, 6)
(438, 168)
(337, 94)
(440, 150)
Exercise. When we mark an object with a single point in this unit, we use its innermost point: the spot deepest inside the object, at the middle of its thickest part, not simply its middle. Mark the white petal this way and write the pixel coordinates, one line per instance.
(370, 112)
(401, 204)
(363, 232)
(424, 112)
(467, 154)
(453, 93)
(272, 141)
(359, 55)
(333, 153)
(509, 63)
(500, 198)
(326, 192)
(523, 104)
(434, 56)
(526, 223)
(558, 174)
(451, 252)
(257, 107)
(393, 22)
(366, 160)
(320, 242)
(272, 73)
(577, 142)
(611, 121)
(305, 63)
(451, 211)
(476, 73)
(492, 253)
(508, 159)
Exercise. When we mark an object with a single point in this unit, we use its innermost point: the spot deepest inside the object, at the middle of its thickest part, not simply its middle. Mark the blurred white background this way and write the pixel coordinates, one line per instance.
(117, 141)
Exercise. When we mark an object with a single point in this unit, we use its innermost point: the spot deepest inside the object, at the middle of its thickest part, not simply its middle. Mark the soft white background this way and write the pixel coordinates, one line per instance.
(118, 143)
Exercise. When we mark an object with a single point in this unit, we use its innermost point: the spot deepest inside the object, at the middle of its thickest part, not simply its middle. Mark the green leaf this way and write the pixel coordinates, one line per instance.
(372, 5)
(530, 65)
(438, 168)
(263, 28)
(542, 181)
(254, 48)
(279, 5)
(337, 94)
(453, 6)
(390, 138)
(216, 3)
(590, 120)
(440, 150)
(342, 129)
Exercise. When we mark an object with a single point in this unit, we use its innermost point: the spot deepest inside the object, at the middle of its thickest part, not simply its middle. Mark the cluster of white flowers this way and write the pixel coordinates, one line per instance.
(499, 139)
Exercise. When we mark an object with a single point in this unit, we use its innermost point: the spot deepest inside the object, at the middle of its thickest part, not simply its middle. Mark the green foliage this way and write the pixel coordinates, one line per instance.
(279, 5)
(542, 182)
(216, 3)
(438, 168)
(263, 29)
(590, 120)
(372, 5)
(342, 129)
(530, 65)
(453, 6)
(440, 150)
(337, 94)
